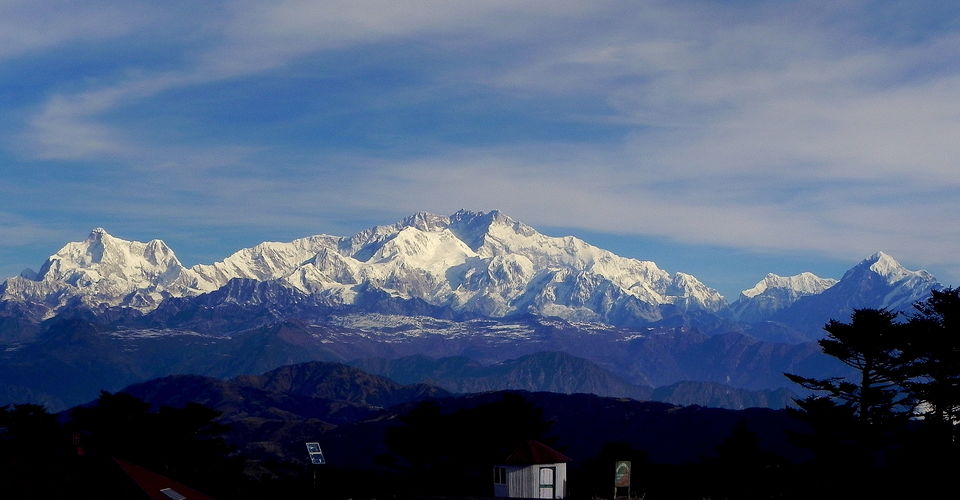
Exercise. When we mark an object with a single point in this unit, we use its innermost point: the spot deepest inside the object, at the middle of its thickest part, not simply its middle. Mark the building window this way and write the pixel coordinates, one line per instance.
(499, 475)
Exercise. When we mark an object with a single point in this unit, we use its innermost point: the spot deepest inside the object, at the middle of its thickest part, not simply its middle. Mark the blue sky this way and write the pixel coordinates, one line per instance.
(723, 139)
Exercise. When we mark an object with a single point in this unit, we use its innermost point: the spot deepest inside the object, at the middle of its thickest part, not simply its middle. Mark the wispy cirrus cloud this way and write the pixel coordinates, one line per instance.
(250, 38)
(29, 28)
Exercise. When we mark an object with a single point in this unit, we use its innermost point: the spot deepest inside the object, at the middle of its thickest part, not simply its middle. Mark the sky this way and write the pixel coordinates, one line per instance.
(726, 139)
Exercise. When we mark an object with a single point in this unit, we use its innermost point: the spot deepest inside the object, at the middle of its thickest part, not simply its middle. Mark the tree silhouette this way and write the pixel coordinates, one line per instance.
(933, 448)
(33, 448)
(859, 426)
(183, 443)
(934, 342)
(873, 345)
(743, 469)
(452, 453)
(870, 424)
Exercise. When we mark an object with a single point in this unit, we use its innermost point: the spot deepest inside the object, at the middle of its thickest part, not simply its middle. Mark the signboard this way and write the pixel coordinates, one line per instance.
(316, 455)
(173, 494)
(621, 477)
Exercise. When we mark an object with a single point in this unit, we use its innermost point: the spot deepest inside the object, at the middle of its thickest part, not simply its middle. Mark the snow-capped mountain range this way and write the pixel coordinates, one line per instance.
(485, 264)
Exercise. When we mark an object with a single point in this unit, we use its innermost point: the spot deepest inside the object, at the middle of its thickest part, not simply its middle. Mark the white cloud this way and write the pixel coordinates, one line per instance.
(16, 230)
(242, 39)
(28, 27)
(766, 127)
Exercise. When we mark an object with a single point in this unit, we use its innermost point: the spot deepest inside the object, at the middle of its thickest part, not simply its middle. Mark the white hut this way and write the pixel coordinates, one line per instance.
(533, 470)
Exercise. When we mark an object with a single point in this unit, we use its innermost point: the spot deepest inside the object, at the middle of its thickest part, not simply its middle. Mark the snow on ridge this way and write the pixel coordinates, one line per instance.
(471, 272)
(805, 283)
(776, 293)
(103, 269)
(156, 333)
(888, 267)
(265, 261)
(107, 255)
(483, 262)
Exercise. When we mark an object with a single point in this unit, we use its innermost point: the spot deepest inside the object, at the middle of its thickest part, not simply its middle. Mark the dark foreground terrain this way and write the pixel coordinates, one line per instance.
(244, 438)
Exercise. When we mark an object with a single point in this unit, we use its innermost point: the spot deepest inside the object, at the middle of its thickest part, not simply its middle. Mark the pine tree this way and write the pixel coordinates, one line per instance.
(873, 345)
(934, 341)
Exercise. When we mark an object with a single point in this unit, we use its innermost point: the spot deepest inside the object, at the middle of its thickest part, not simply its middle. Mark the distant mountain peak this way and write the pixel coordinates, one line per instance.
(804, 283)
(428, 221)
(425, 221)
(878, 281)
(775, 293)
(469, 214)
(885, 266)
(104, 270)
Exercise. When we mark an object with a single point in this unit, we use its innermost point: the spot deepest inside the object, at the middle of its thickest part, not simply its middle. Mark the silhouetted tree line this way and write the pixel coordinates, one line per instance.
(892, 429)
(453, 453)
(45, 457)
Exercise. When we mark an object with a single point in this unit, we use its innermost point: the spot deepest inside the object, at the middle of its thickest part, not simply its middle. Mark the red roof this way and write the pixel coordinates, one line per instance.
(153, 484)
(535, 452)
